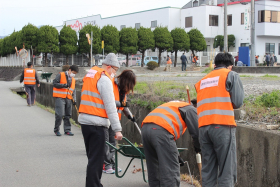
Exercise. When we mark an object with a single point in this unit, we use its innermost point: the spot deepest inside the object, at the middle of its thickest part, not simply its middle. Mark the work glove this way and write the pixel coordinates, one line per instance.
(181, 161)
(131, 118)
(124, 104)
(74, 103)
(197, 150)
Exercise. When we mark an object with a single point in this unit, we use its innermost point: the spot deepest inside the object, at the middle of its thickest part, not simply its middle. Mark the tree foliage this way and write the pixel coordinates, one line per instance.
(68, 41)
(145, 41)
(219, 41)
(163, 40)
(128, 42)
(181, 41)
(84, 46)
(110, 35)
(48, 40)
(29, 36)
(197, 40)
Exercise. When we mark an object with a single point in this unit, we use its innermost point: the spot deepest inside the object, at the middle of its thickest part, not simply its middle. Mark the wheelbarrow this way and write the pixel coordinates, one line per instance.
(46, 76)
(133, 152)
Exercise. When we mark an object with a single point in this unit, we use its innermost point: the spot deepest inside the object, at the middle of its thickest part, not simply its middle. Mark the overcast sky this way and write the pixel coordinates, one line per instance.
(14, 14)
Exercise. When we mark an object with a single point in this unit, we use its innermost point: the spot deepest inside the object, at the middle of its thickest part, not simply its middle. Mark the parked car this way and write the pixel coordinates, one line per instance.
(148, 59)
(122, 61)
(131, 61)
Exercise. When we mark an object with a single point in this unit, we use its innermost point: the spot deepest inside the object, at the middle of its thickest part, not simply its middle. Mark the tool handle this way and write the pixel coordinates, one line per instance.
(136, 125)
(188, 93)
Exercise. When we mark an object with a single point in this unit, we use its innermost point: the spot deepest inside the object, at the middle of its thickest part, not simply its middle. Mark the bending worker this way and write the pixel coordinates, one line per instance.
(122, 85)
(30, 78)
(160, 129)
(97, 112)
(64, 92)
(218, 93)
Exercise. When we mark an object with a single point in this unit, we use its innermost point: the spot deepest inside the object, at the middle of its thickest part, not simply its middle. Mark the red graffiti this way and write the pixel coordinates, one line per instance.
(77, 25)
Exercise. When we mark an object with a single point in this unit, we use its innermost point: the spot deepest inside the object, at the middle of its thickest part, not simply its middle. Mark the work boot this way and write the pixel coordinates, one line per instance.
(57, 133)
(69, 133)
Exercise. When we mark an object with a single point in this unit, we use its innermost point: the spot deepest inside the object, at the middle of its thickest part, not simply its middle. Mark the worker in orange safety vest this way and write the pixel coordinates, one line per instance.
(30, 79)
(65, 95)
(160, 129)
(218, 93)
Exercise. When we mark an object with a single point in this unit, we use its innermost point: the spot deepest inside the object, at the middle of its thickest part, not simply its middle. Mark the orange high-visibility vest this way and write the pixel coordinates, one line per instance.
(194, 60)
(168, 117)
(214, 105)
(169, 61)
(64, 92)
(117, 98)
(91, 101)
(29, 76)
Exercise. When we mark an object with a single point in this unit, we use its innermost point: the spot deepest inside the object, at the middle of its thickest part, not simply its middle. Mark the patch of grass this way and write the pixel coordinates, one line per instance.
(207, 70)
(245, 76)
(270, 76)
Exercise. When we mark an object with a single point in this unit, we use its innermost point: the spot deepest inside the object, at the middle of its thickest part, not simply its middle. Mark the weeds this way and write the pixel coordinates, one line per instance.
(270, 76)
(245, 76)
(187, 178)
(207, 70)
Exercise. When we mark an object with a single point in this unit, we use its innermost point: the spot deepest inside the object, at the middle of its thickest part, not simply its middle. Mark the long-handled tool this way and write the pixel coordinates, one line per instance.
(199, 165)
(74, 105)
(136, 125)
(188, 92)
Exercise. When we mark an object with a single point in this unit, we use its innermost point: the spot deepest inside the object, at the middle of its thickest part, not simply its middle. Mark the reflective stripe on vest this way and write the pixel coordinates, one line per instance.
(91, 101)
(168, 116)
(29, 76)
(214, 105)
(64, 92)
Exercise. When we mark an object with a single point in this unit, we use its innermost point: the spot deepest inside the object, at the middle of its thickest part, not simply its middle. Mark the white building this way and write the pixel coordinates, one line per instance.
(207, 16)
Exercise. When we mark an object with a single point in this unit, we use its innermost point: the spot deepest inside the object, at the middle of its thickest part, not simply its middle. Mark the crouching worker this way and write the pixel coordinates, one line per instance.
(122, 85)
(64, 92)
(160, 129)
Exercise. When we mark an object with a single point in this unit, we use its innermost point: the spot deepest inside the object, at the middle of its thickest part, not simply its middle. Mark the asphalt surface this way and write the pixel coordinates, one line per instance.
(32, 156)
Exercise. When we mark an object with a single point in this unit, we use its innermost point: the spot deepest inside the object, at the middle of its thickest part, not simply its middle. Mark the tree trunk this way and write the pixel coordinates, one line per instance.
(46, 62)
(143, 56)
(159, 57)
(175, 59)
(67, 59)
(126, 60)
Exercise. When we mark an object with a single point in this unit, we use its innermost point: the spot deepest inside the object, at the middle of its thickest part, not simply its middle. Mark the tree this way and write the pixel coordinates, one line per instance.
(48, 40)
(68, 41)
(29, 37)
(84, 46)
(145, 41)
(128, 42)
(163, 41)
(14, 40)
(110, 35)
(181, 41)
(219, 41)
(1, 47)
(197, 41)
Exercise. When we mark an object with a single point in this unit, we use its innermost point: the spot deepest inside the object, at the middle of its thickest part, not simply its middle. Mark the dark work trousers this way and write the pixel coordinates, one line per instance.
(63, 109)
(218, 148)
(161, 156)
(267, 63)
(184, 66)
(94, 138)
(109, 157)
(30, 90)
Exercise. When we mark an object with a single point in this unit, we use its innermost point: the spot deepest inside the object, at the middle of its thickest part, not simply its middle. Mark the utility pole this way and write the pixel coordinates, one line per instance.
(225, 27)
(252, 57)
(91, 49)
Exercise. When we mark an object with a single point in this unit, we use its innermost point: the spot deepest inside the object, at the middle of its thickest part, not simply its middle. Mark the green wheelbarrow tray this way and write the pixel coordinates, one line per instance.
(46, 76)
(133, 152)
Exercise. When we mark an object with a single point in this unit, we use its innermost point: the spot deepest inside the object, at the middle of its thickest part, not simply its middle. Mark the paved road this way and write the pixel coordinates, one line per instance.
(32, 156)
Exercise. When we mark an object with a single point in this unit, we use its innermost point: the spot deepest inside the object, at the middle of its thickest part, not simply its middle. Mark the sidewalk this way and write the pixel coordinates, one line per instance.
(32, 156)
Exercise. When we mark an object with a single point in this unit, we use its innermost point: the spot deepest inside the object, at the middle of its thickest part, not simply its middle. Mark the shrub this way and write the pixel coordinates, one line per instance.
(269, 100)
(152, 65)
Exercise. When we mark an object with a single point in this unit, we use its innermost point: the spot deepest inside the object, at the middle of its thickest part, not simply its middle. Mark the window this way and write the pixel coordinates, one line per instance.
(279, 49)
(153, 24)
(244, 45)
(242, 18)
(137, 26)
(122, 26)
(188, 22)
(264, 16)
(270, 48)
(229, 20)
(195, 3)
(213, 20)
(274, 15)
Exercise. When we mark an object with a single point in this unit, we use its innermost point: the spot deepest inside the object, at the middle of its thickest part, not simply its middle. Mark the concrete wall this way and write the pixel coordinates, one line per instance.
(266, 70)
(258, 151)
